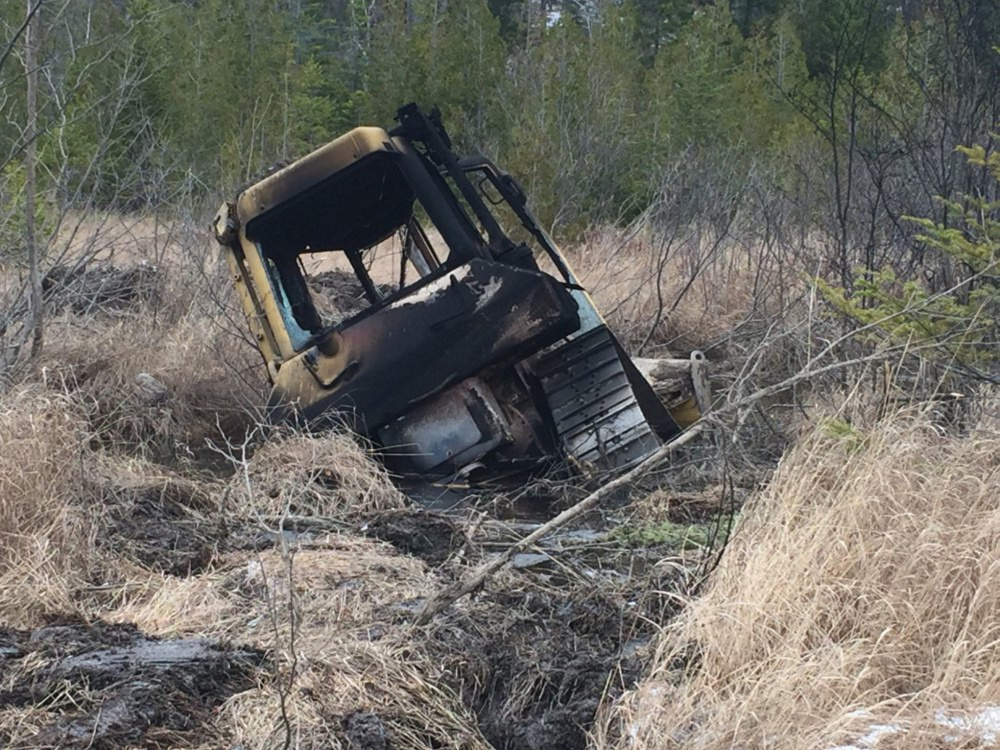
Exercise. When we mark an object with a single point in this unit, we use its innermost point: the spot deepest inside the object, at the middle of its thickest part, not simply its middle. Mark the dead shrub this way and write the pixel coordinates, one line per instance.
(98, 286)
(862, 591)
(684, 292)
(143, 331)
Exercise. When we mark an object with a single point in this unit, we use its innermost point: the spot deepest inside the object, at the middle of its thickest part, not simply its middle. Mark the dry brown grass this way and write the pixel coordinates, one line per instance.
(200, 399)
(46, 538)
(862, 590)
(707, 290)
(332, 611)
(301, 474)
(158, 359)
(209, 379)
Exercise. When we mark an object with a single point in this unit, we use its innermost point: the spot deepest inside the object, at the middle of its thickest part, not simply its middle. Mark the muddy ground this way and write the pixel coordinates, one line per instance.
(533, 654)
(115, 687)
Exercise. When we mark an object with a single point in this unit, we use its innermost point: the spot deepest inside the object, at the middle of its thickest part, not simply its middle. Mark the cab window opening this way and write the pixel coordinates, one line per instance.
(313, 288)
(293, 299)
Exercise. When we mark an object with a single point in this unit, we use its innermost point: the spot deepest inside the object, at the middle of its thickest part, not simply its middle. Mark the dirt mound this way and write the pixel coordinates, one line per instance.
(109, 686)
(327, 474)
(340, 289)
(430, 536)
(100, 286)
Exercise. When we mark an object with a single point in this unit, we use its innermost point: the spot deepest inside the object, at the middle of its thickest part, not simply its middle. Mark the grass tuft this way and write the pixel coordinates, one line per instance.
(862, 588)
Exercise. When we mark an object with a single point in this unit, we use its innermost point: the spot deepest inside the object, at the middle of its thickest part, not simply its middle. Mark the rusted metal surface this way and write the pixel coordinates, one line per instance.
(448, 432)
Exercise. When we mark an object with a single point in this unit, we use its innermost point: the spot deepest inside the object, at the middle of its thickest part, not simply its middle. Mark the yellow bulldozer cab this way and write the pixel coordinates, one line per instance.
(477, 356)
(348, 194)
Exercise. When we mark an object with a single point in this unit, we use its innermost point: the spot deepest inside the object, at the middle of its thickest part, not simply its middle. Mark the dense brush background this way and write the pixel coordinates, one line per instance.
(806, 190)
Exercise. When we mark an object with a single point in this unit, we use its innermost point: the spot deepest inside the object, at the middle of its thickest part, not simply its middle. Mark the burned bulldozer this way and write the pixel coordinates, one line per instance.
(476, 348)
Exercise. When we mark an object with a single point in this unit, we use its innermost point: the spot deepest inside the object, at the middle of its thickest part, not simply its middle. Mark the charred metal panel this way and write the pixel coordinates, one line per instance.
(372, 188)
(295, 180)
(447, 432)
(443, 331)
(593, 406)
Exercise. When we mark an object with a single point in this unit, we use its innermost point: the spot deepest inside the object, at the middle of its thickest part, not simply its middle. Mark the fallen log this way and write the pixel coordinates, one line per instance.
(675, 380)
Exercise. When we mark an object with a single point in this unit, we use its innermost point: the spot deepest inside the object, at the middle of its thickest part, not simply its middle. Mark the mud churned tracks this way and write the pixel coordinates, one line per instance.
(114, 686)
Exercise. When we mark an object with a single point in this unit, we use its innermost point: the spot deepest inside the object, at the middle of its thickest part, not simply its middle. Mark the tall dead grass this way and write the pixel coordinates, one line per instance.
(859, 603)
(153, 386)
(685, 291)
(46, 539)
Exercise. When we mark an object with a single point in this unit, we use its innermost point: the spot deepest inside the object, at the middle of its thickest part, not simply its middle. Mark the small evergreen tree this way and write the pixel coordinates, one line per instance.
(961, 323)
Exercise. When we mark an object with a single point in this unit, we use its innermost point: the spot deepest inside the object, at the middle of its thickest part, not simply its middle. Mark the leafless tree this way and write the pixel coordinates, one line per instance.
(68, 193)
(30, 162)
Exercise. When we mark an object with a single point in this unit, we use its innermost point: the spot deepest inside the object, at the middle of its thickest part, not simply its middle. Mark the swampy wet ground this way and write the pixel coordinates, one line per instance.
(532, 654)
(113, 686)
